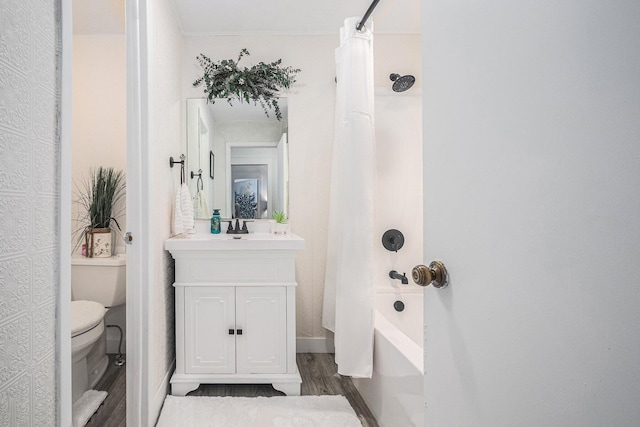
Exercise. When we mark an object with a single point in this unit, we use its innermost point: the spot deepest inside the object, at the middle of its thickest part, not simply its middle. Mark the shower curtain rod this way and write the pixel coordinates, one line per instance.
(373, 5)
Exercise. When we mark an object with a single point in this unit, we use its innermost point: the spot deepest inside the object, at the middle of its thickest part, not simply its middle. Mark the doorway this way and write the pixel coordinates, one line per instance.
(94, 132)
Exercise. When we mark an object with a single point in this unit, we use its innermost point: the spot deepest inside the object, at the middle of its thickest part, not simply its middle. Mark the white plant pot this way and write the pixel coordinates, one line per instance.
(279, 228)
(99, 243)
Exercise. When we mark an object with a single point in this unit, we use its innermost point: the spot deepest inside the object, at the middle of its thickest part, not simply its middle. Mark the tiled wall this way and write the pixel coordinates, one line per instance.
(29, 205)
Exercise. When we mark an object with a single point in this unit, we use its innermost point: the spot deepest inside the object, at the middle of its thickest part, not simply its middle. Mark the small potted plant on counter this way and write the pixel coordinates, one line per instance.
(101, 194)
(279, 224)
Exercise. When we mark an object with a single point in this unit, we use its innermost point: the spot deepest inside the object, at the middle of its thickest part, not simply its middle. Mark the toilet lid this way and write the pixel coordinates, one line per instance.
(85, 315)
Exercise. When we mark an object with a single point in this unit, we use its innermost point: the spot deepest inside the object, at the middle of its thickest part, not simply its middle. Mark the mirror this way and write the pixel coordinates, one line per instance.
(237, 158)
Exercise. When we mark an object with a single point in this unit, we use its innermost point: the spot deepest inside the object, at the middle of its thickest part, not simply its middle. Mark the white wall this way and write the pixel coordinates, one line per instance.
(99, 103)
(29, 210)
(99, 110)
(166, 108)
(398, 121)
(311, 118)
(199, 128)
(99, 134)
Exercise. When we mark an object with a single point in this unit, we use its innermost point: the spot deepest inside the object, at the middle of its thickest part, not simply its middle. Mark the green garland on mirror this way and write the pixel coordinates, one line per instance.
(260, 83)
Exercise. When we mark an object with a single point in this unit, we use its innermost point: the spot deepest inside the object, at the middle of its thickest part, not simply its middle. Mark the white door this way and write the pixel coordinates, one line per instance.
(532, 167)
(261, 315)
(210, 330)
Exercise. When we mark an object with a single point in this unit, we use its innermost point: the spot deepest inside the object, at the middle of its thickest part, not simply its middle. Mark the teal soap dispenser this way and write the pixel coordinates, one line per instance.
(215, 222)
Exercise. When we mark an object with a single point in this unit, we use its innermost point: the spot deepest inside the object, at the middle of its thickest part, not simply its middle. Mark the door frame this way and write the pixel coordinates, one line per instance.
(137, 175)
(63, 315)
(136, 309)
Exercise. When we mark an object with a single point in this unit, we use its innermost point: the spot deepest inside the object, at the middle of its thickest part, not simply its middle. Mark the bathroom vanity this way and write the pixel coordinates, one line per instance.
(235, 310)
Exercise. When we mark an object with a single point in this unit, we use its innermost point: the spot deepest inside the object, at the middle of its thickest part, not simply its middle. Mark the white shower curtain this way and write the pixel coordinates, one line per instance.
(348, 297)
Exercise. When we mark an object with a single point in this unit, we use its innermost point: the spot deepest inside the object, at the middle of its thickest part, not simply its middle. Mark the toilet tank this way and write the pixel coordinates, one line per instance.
(99, 279)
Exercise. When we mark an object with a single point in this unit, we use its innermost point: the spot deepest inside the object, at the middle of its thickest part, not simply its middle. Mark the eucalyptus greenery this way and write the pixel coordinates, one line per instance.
(260, 83)
(99, 195)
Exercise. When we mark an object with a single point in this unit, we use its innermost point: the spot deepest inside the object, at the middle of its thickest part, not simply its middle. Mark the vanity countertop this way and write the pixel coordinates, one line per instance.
(231, 242)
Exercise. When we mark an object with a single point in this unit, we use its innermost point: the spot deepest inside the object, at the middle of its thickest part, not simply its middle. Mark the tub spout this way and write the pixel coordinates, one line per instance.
(402, 277)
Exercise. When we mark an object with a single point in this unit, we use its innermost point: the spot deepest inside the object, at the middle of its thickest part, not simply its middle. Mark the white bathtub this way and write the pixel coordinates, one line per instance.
(395, 392)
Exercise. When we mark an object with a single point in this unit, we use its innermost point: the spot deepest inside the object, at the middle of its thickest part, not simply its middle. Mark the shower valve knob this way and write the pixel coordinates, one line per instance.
(436, 275)
(392, 240)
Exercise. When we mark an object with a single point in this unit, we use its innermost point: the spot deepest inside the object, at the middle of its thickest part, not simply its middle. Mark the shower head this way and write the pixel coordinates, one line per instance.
(402, 83)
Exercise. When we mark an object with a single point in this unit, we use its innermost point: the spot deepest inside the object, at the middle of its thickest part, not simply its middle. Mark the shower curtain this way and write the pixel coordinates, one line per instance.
(348, 297)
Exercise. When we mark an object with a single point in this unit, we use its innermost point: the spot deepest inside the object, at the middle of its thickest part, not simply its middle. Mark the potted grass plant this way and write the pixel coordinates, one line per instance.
(279, 224)
(100, 197)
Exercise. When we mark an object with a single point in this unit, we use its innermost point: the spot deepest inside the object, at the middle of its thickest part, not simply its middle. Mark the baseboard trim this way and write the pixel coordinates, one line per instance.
(161, 394)
(315, 345)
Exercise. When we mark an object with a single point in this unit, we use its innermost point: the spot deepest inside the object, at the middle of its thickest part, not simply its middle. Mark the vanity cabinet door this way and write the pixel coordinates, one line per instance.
(209, 320)
(261, 314)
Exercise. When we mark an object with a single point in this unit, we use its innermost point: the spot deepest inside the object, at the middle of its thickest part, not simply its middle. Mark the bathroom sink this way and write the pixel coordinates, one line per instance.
(234, 242)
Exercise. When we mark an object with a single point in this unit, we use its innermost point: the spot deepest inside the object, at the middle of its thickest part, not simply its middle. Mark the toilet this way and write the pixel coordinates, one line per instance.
(96, 285)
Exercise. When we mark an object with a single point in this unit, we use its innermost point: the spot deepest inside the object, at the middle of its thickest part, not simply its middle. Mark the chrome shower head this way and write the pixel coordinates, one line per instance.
(402, 83)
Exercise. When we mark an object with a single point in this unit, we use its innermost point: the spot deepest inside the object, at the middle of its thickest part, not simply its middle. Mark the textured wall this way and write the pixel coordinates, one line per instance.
(29, 189)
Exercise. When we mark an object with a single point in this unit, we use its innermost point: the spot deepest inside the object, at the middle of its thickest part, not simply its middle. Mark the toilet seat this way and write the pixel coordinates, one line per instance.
(85, 315)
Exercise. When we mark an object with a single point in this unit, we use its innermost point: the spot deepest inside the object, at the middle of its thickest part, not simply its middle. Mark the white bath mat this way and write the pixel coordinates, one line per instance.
(279, 411)
(86, 406)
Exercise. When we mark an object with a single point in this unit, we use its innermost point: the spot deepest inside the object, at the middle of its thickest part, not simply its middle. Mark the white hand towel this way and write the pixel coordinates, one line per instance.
(178, 226)
(201, 207)
(186, 205)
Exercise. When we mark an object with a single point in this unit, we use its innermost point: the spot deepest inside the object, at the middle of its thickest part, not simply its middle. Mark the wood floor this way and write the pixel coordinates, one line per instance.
(319, 377)
(113, 411)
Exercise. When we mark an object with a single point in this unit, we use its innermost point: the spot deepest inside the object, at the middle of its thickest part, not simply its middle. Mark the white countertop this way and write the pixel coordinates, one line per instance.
(231, 242)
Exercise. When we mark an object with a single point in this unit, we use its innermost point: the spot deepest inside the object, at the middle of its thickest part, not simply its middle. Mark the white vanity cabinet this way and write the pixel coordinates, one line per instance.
(235, 311)
(232, 330)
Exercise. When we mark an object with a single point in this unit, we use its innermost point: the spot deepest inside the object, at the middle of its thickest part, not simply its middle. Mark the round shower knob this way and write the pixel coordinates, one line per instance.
(393, 240)
(436, 275)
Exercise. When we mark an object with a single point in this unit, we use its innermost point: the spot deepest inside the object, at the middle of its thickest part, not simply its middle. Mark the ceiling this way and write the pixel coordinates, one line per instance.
(235, 17)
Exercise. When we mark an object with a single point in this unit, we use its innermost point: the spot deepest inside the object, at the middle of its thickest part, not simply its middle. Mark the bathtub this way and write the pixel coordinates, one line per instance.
(395, 392)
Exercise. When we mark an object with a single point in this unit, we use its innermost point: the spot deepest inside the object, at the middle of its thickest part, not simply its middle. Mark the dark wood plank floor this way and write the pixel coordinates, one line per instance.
(113, 412)
(319, 377)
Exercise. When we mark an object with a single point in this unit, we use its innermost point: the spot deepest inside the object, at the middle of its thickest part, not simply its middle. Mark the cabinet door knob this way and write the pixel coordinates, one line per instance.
(231, 331)
(239, 331)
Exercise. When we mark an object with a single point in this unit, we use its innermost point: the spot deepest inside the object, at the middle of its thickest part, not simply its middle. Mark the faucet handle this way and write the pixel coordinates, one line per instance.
(230, 229)
(244, 224)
